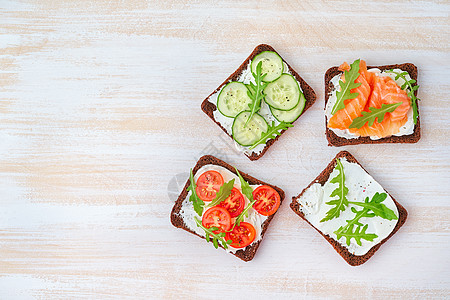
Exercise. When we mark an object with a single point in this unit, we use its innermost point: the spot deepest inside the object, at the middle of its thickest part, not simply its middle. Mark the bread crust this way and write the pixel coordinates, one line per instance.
(353, 260)
(335, 140)
(310, 96)
(247, 253)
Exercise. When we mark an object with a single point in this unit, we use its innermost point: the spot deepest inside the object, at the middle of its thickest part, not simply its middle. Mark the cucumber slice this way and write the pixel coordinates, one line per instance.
(247, 136)
(272, 65)
(283, 93)
(289, 116)
(233, 99)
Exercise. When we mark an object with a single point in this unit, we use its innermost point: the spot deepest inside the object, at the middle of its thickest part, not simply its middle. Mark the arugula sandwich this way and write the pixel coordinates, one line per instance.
(350, 209)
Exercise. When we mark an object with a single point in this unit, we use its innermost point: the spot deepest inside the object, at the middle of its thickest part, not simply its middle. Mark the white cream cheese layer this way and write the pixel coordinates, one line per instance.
(246, 77)
(188, 213)
(360, 185)
(406, 129)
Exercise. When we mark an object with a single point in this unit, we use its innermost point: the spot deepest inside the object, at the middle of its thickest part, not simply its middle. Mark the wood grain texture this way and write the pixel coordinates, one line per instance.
(100, 121)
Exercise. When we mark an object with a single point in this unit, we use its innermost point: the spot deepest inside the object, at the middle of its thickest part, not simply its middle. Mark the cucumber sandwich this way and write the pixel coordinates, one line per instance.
(259, 101)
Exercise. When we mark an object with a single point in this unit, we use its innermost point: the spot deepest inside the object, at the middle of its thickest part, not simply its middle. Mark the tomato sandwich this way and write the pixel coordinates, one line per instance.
(227, 207)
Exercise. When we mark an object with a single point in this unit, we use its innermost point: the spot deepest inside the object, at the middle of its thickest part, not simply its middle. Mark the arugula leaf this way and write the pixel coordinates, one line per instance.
(370, 209)
(347, 230)
(196, 201)
(378, 208)
(412, 90)
(341, 191)
(372, 114)
(248, 192)
(255, 92)
(244, 213)
(271, 133)
(245, 187)
(217, 237)
(349, 84)
(223, 193)
(357, 234)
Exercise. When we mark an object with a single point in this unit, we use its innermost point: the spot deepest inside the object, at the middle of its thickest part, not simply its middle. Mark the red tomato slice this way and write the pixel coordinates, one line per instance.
(208, 184)
(234, 203)
(267, 200)
(242, 235)
(217, 217)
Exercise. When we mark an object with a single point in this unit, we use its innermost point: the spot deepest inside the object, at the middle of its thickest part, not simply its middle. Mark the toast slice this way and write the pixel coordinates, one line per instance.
(209, 108)
(335, 140)
(351, 259)
(247, 253)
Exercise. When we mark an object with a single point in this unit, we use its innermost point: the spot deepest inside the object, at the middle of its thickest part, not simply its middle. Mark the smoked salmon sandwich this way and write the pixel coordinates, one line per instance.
(368, 105)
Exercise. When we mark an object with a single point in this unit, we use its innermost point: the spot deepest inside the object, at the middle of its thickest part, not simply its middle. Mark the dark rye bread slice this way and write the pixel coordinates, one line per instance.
(334, 140)
(209, 108)
(247, 253)
(352, 259)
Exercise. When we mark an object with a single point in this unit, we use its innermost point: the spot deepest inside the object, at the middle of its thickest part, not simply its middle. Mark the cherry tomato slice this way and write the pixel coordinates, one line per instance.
(234, 203)
(242, 235)
(208, 184)
(217, 217)
(267, 200)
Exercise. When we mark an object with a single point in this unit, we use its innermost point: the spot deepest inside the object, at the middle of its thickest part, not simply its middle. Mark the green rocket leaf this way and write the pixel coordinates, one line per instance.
(346, 87)
(411, 91)
(341, 191)
(217, 237)
(223, 193)
(356, 234)
(271, 133)
(196, 201)
(255, 92)
(372, 114)
(378, 208)
(245, 187)
(370, 209)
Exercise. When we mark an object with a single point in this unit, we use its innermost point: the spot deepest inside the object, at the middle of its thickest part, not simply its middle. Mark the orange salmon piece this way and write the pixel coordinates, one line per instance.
(385, 91)
(353, 107)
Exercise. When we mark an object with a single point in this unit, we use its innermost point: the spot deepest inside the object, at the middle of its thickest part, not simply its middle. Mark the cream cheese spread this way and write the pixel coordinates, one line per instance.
(188, 213)
(406, 129)
(360, 185)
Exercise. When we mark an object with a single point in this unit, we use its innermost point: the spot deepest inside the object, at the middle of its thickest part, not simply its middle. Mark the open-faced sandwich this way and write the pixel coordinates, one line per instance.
(366, 105)
(350, 209)
(259, 101)
(226, 206)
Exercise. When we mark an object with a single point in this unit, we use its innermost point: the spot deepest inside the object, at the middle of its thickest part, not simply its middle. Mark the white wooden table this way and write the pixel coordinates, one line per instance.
(100, 115)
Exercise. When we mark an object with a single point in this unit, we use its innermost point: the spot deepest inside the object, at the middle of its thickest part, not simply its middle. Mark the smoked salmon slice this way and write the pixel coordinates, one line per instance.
(353, 107)
(373, 92)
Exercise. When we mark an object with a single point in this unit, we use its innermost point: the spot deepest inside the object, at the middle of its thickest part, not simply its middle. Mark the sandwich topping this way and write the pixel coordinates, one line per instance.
(371, 102)
(221, 206)
(263, 102)
(351, 207)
